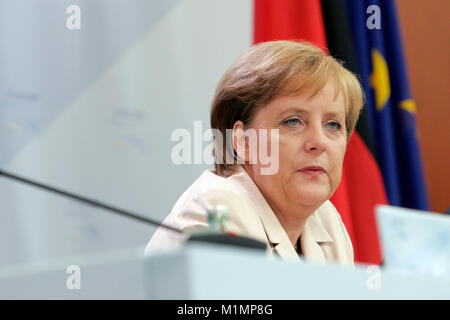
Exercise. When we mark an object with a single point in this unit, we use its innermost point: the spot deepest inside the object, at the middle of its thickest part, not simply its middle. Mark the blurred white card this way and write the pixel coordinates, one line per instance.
(413, 240)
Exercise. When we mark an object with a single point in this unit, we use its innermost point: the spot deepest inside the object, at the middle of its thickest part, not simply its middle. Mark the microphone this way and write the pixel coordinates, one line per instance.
(208, 237)
(85, 200)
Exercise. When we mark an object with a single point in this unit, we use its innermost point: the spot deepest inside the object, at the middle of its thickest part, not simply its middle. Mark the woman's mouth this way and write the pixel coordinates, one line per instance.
(312, 171)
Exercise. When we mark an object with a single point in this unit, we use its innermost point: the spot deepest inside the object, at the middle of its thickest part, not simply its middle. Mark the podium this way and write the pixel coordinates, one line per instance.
(201, 271)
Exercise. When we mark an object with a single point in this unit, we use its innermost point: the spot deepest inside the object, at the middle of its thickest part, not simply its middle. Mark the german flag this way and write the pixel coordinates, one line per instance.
(362, 187)
(382, 164)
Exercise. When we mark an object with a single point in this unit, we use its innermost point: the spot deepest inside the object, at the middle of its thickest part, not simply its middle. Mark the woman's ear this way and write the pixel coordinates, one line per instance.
(239, 142)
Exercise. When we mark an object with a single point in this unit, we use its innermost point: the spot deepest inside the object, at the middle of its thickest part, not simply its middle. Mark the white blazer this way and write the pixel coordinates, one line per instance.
(324, 237)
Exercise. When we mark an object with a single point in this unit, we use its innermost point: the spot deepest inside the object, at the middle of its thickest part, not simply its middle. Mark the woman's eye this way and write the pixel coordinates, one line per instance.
(335, 126)
(292, 122)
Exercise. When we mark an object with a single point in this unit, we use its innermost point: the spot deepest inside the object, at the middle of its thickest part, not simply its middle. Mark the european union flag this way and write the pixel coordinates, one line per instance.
(390, 107)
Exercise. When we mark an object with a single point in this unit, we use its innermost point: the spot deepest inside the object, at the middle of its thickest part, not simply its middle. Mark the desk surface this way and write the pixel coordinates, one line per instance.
(211, 272)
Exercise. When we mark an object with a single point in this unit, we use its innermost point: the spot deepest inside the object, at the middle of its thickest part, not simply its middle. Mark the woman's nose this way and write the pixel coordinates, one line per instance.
(315, 139)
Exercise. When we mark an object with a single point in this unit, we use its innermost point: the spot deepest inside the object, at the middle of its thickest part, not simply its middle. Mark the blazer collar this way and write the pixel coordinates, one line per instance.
(313, 234)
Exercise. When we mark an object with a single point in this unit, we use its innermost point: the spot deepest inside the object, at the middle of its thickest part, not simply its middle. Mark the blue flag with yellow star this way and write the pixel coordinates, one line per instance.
(389, 104)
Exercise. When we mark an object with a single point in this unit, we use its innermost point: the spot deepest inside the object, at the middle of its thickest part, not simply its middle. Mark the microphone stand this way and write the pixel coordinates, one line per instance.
(209, 237)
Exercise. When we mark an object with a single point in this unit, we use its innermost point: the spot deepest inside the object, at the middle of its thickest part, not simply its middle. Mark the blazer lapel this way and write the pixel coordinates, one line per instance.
(313, 234)
(276, 236)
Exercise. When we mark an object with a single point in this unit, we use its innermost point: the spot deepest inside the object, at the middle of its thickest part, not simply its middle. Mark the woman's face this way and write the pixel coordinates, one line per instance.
(312, 143)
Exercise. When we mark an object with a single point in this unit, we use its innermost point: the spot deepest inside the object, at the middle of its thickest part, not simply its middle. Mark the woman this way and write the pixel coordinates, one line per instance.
(310, 104)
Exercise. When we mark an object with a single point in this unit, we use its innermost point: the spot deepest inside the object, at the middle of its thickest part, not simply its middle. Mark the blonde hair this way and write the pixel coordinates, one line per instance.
(272, 69)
